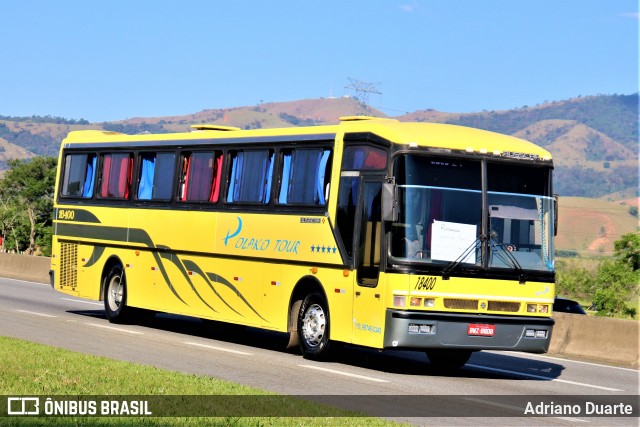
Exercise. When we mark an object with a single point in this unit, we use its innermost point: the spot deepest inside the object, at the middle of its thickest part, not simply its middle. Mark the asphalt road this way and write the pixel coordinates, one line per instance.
(257, 358)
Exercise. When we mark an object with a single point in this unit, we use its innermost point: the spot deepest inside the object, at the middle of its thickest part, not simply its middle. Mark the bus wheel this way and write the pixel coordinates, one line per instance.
(313, 327)
(448, 359)
(115, 295)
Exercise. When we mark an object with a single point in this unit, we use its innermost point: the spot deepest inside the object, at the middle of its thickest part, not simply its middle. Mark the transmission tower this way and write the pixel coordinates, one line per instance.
(363, 90)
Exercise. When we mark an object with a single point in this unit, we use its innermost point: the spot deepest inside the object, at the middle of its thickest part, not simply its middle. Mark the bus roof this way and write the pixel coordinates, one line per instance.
(411, 134)
(445, 136)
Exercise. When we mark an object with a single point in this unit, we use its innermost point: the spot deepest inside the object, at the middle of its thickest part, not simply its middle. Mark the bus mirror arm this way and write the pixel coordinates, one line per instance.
(389, 200)
(555, 214)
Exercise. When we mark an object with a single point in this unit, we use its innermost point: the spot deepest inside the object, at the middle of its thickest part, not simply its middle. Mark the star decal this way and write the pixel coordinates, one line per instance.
(324, 249)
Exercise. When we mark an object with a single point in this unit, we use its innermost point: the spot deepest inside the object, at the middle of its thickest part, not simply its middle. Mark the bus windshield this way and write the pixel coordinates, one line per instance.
(440, 214)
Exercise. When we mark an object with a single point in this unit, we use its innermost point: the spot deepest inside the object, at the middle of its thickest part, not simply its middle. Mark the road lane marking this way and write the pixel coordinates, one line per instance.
(35, 313)
(346, 374)
(84, 302)
(25, 281)
(586, 363)
(97, 325)
(574, 420)
(211, 347)
(540, 377)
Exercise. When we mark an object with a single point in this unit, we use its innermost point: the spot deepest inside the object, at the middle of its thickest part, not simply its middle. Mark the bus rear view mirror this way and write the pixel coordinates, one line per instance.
(389, 202)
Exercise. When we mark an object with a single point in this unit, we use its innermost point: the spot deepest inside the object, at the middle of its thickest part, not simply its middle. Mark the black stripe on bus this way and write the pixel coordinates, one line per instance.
(133, 235)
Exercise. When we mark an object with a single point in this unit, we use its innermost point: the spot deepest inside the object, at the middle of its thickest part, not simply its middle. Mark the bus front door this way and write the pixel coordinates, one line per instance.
(368, 307)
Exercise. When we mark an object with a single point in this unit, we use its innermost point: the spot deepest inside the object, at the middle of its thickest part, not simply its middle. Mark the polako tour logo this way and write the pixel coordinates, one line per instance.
(259, 244)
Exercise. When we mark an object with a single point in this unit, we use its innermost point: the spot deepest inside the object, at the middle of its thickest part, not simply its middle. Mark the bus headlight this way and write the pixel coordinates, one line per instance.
(399, 301)
(537, 308)
(429, 302)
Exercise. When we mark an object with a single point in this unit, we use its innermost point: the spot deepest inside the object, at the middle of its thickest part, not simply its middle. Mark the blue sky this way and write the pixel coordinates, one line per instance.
(115, 59)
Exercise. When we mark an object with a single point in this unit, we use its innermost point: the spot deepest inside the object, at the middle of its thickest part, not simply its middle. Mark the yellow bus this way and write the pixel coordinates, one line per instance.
(372, 232)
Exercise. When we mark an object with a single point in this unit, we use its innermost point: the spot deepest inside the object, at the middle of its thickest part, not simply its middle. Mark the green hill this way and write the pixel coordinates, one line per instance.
(594, 142)
(593, 139)
(589, 226)
(612, 115)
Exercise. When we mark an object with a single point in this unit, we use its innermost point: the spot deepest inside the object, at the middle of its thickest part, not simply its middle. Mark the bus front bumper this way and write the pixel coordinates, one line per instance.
(411, 330)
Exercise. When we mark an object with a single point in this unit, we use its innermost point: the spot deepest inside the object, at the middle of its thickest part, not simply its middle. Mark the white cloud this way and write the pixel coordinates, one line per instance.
(634, 15)
(409, 7)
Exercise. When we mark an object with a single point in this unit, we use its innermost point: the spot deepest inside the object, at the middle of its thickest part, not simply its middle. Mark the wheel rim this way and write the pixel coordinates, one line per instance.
(115, 294)
(313, 325)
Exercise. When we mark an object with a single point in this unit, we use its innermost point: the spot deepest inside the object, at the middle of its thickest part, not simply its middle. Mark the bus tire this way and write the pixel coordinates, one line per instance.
(448, 359)
(115, 295)
(313, 327)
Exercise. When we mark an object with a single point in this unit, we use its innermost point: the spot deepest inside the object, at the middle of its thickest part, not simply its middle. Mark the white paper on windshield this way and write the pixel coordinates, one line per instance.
(449, 240)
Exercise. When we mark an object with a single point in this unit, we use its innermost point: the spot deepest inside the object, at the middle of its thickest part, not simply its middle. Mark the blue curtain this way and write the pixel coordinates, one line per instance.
(267, 194)
(234, 181)
(303, 177)
(145, 190)
(322, 170)
(286, 176)
(90, 177)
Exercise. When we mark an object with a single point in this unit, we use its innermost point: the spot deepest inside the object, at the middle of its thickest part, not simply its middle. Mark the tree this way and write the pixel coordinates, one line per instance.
(11, 217)
(29, 186)
(616, 284)
(617, 280)
(612, 285)
(627, 249)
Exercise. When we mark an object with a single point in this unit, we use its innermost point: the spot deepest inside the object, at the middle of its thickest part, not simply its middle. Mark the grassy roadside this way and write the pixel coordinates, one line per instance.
(37, 370)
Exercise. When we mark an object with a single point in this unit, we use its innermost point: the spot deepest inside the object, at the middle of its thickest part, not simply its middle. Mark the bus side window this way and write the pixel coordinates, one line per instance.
(304, 177)
(214, 195)
(184, 176)
(199, 179)
(163, 179)
(79, 175)
(152, 185)
(116, 175)
(251, 176)
(324, 177)
(364, 157)
(346, 214)
(201, 173)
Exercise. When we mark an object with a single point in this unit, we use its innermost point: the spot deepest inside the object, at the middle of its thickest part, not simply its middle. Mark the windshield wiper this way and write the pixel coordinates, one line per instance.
(446, 271)
(522, 277)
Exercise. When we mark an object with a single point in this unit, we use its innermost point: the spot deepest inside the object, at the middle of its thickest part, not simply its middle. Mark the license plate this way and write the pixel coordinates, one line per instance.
(481, 330)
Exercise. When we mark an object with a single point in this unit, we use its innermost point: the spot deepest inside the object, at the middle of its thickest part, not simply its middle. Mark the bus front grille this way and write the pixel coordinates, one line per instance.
(461, 304)
(511, 307)
(69, 265)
